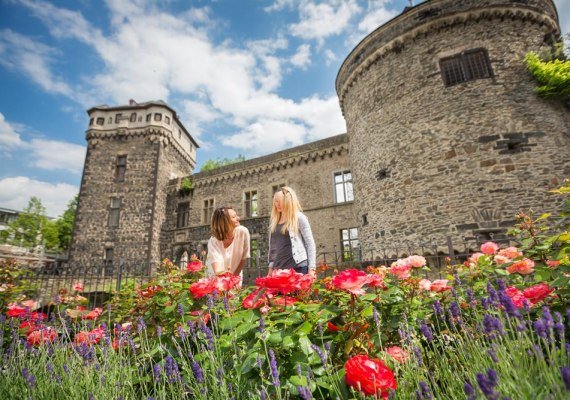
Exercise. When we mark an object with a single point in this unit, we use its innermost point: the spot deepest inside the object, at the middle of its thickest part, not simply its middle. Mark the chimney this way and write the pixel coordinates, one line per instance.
(132, 102)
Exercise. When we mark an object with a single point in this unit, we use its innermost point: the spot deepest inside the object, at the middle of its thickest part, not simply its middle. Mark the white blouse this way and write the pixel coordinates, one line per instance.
(231, 256)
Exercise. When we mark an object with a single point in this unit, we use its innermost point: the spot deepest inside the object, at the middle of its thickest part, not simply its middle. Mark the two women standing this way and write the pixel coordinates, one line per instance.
(291, 243)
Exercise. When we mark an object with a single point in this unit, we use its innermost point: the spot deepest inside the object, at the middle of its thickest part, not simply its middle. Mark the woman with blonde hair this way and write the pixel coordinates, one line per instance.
(291, 243)
(228, 248)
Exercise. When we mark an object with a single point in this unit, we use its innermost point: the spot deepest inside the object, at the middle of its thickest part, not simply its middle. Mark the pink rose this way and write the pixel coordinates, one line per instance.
(78, 287)
(489, 248)
(398, 354)
(499, 259)
(351, 280)
(202, 287)
(439, 285)
(425, 284)
(400, 269)
(375, 280)
(227, 281)
(510, 252)
(553, 263)
(474, 259)
(417, 261)
(516, 296)
(523, 267)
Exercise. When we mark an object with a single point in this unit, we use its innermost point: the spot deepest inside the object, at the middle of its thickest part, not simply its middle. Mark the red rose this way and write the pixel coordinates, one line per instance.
(375, 280)
(283, 301)
(255, 300)
(16, 312)
(351, 280)
(150, 291)
(93, 313)
(225, 282)
(28, 326)
(332, 327)
(42, 336)
(282, 281)
(202, 287)
(204, 316)
(304, 282)
(194, 265)
(516, 296)
(536, 293)
(369, 376)
(439, 285)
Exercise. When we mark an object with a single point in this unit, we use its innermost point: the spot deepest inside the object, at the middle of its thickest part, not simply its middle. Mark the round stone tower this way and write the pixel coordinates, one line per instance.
(447, 136)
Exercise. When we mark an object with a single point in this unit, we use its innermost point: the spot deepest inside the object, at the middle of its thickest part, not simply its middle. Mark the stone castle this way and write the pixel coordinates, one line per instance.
(445, 138)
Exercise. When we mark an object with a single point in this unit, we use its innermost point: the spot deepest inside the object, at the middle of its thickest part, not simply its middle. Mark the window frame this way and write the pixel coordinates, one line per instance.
(465, 67)
(251, 203)
(114, 218)
(207, 210)
(120, 168)
(348, 252)
(183, 214)
(344, 183)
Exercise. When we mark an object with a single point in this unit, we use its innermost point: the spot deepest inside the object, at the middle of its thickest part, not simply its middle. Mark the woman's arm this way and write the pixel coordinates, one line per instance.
(307, 234)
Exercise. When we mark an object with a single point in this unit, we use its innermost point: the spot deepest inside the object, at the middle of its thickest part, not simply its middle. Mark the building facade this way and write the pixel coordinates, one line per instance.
(446, 138)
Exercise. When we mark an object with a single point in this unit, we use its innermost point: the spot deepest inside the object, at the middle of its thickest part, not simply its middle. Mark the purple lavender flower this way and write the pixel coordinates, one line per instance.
(320, 353)
(541, 328)
(219, 374)
(181, 332)
(259, 364)
(426, 331)
(159, 331)
(501, 284)
(261, 325)
(470, 296)
(209, 302)
(487, 383)
(492, 325)
(141, 326)
(156, 371)
(327, 346)
(559, 325)
(492, 293)
(485, 303)
(196, 369)
(263, 394)
(438, 308)
(304, 392)
(274, 369)
(29, 378)
(418, 354)
(208, 334)
(508, 305)
(171, 369)
(180, 309)
(320, 329)
(547, 317)
(226, 303)
(493, 355)
(565, 372)
(425, 390)
(454, 310)
(299, 370)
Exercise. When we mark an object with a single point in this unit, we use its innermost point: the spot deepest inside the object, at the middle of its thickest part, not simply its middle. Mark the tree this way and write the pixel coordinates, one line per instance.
(220, 162)
(26, 229)
(65, 225)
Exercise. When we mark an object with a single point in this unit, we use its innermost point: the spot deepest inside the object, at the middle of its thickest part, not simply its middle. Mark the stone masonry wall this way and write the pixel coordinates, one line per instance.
(430, 161)
(308, 169)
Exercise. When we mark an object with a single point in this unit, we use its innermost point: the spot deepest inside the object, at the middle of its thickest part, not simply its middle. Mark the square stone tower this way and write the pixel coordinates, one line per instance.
(132, 153)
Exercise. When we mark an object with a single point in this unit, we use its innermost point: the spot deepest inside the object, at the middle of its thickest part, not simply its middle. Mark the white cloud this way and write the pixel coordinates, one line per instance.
(41, 153)
(302, 58)
(9, 138)
(267, 136)
(280, 5)
(318, 21)
(329, 56)
(375, 18)
(53, 155)
(149, 54)
(33, 59)
(16, 192)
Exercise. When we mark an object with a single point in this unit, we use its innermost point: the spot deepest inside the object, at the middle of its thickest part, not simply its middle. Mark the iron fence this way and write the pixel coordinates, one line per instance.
(101, 280)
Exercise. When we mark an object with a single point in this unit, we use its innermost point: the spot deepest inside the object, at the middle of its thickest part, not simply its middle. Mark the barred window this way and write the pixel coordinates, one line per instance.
(120, 168)
(466, 66)
(114, 212)
(182, 214)
(100, 121)
(133, 117)
(148, 117)
(158, 117)
(207, 211)
(118, 118)
(343, 187)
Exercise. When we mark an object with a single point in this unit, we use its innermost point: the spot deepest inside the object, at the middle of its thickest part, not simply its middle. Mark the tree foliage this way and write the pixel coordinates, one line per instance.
(551, 69)
(65, 224)
(221, 162)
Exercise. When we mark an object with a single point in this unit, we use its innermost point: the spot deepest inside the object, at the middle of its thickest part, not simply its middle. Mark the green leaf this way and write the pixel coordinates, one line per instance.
(305, 345)
(305, 328)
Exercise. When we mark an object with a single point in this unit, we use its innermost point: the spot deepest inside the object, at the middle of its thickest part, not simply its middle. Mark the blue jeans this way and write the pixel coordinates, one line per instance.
(302, 267)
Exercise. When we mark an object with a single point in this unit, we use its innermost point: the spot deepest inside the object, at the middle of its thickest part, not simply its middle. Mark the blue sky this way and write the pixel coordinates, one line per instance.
(247, 77)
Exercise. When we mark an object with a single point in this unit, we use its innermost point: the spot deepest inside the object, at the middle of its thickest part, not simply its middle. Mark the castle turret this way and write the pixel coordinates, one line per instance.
(132, 153)
(447, 136)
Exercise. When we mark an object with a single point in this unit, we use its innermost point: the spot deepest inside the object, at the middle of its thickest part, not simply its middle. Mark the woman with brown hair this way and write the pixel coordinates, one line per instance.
(228, 248)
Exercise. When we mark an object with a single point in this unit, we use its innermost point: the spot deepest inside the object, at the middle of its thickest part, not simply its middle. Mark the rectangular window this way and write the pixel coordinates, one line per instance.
(100, 121)
(275, 188)
(114, 212)
(158, 117)
(118, 118)
(207, 211)
(254, 252)
(148, 117)
(108, 261)
(343, 187)
(350, 244)
(120, 168)
(167, 120)
(250, 203)
(466, 66)
(134, 117)
(91, 121)
(182, 215)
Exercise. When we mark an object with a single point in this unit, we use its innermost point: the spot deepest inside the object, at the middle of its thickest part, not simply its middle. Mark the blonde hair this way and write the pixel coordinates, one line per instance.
(221, 226)
(291, 207)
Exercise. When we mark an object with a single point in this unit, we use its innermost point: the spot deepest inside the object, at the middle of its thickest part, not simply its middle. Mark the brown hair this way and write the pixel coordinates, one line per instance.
(221, 225)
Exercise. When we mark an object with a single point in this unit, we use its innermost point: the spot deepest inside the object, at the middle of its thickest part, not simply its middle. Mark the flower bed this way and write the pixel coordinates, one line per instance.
(495, 327)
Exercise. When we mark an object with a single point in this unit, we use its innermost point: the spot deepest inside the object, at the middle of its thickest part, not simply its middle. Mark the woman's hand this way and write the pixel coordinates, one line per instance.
(313, 273)
(270, 272)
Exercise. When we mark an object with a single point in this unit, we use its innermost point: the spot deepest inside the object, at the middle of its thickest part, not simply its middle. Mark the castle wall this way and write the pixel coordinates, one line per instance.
(431, 161)
(308, 169)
